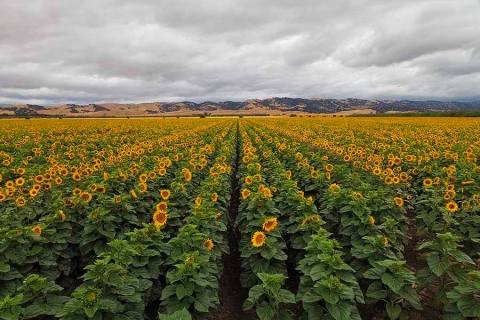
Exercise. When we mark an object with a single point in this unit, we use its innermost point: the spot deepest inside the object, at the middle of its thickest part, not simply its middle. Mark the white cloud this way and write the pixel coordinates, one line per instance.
(54, 51)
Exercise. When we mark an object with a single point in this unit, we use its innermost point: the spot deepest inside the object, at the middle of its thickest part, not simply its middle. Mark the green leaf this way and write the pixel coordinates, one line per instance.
(167, 292)
(392, 282)
(393, 310)
(437, 266)
(266, 312)
(255, 293)
(201, 306)
(4, 268)
(285, 296)
(469, 308)
(339, 311)
(462, 257)
(178, 315)
(375, 291)
(180, 291)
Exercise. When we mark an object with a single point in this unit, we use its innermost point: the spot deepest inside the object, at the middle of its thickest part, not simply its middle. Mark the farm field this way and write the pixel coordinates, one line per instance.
(240, 218)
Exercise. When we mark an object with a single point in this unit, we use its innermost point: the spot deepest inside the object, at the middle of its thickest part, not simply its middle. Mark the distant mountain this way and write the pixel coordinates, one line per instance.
(253, 106)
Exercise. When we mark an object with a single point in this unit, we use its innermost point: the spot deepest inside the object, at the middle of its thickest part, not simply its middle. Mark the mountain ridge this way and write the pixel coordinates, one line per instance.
(274, 105)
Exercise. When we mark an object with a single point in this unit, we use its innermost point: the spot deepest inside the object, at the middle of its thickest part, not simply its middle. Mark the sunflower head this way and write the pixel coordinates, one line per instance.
(20, 202)
(245, 194)
(133, 194)
(187, 175)
(427, 182)
(86, 196)
(334, 188)
(371, 220)
(37, 230)
(198, 202)
(385, 241)
(159, 219)
(452, 206)
(208, 244)
(162, 206)
(270, 224)
(61, 215)
(398, 202)
(165, 194)
(258, 239)
(214, 197)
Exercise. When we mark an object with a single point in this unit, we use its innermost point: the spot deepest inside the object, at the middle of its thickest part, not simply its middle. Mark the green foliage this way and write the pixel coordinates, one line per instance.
(268, 298)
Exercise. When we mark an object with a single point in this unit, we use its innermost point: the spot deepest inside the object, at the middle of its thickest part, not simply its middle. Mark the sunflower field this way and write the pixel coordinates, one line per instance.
(240, 218)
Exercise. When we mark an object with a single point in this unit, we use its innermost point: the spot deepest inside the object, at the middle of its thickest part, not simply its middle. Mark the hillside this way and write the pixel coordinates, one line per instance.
(272, 106)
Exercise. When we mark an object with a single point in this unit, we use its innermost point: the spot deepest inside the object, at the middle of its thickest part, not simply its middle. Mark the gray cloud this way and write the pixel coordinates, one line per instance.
(54, 51)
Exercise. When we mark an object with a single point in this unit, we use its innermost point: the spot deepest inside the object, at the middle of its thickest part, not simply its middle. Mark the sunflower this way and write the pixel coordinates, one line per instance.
(315, 218)
(2, 197)
(33, 193)
(39, 178)
(398, 201)
(214, 197)
(245, 194)
(248, 180)
(198, 202)
(159, 219)
(334, 188)
(371, 220)
(117, 199)
(162, 206)
(289, 174)
(75, 176)
(329, 167)
(142, 187)
(427, 182)
(267, 193)
(388, 180)
(187, 175)
(61, 215)
(452, 206)
(20, 201)
(165, 194)
(208, 244)
(270, 224)
(377, 171)
(133, 194)
(86, 196)
(385, 241)
(20, 182)
(37, 230)
(357, 195)
(258, 239)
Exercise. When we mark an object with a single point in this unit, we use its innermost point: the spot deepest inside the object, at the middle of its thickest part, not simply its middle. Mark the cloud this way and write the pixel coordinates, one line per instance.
(54, 51)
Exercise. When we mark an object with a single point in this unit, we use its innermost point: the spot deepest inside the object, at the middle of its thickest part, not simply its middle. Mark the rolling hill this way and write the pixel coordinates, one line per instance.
(271, 106)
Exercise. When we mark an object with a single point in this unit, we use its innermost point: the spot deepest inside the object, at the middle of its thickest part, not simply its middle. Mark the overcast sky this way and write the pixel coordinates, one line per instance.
(128, 51)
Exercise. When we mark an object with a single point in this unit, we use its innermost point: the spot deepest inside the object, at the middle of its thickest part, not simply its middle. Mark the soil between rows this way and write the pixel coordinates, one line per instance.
(231, 293)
